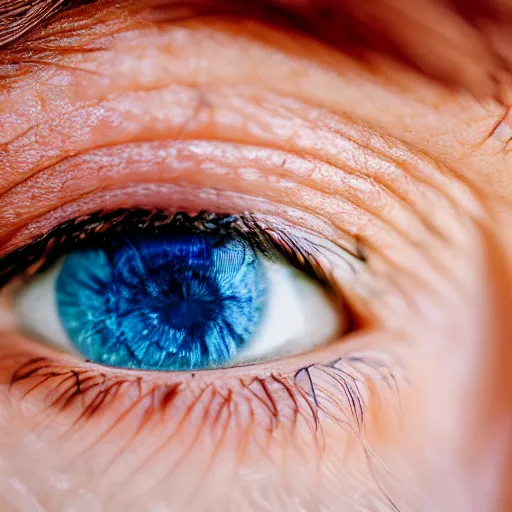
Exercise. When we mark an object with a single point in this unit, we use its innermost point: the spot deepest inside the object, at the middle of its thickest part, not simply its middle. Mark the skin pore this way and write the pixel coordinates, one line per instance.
(129, 105)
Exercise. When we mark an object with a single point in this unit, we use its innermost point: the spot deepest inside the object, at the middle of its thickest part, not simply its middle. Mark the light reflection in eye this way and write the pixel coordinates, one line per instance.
(178, 301)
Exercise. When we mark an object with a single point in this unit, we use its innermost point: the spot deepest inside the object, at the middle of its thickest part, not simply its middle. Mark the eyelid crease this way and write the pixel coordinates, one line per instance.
(345, 244)
(399, 197)
(375, 143)
(335, 248)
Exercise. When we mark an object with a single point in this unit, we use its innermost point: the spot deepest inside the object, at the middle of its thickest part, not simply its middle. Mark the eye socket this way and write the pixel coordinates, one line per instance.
(184, 301)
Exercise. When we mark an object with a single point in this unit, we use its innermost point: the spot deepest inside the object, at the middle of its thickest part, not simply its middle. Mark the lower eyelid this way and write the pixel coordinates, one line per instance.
(84, 409)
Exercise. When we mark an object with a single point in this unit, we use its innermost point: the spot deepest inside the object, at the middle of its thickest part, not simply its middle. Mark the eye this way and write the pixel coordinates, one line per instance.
(185, 299)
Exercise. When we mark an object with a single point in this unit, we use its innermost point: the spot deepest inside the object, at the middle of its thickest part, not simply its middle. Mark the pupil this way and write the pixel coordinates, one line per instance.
(187, 299)
(162, 302)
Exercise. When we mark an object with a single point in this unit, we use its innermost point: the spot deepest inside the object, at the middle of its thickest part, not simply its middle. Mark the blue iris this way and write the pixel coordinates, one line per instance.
(162, 302)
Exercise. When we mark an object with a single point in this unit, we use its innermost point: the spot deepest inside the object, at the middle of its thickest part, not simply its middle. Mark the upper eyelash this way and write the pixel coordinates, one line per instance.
(100, 227)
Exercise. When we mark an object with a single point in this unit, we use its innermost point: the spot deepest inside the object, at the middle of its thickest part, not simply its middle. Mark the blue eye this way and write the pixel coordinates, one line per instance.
(187, 300)
(173, 303)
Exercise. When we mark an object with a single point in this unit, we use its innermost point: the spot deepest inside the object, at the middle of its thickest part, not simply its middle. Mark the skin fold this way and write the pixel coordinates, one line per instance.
(121, 105)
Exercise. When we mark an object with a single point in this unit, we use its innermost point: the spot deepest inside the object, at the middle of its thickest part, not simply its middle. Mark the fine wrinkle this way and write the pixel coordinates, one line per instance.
(468, 45)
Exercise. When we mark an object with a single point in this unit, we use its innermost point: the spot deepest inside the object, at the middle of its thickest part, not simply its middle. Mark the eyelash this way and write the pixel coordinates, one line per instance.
(254, 412)
(336, 392)
(103, 228)
(281, 397)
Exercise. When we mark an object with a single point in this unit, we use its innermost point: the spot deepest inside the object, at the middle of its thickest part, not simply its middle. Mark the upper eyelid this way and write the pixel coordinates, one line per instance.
(436, 182)
(378, 143)
(275, 237)
(334, 247)
(391, 263)
(342, 128)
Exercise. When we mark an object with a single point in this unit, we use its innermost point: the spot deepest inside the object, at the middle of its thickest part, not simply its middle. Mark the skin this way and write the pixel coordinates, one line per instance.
(233, 115)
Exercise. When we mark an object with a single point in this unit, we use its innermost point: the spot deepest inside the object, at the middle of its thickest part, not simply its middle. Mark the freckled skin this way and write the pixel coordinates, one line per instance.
(412, 413)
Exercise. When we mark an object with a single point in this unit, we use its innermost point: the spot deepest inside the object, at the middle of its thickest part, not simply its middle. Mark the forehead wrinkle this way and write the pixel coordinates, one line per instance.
(20, 102)
(463, 51)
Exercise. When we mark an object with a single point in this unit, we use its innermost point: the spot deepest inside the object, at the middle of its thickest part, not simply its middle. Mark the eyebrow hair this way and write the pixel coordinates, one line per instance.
(19, 17)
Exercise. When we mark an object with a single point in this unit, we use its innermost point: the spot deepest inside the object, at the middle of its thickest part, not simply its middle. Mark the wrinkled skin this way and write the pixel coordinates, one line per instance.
(223, 113)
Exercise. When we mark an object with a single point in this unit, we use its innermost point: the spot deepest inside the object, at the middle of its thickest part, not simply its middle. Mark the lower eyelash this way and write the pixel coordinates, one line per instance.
(80, 412)
(339, 392)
